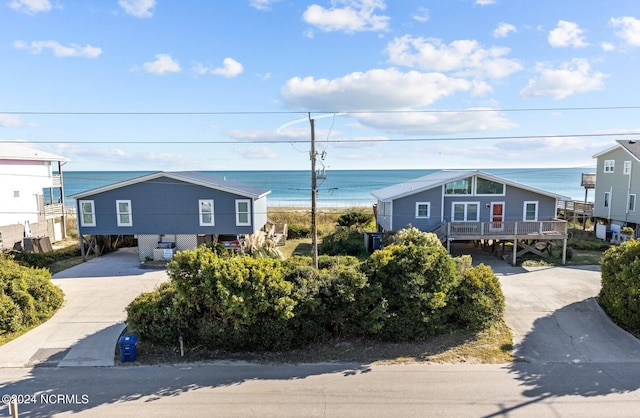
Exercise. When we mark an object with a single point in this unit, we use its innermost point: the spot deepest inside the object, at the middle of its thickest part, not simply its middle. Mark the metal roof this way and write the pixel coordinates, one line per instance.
(193, 177)
(14, 151)
(440, 178)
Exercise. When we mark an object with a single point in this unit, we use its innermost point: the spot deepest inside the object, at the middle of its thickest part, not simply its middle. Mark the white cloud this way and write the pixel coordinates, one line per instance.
(503, 30)
(467, 57)
(445, 122)
(629, 29)
(375, 89)
(30, 6)
(571, 78)
(607, 46)
(10, 121)
(567, 34)
(231, 68)
(421, 15)
(73, 50)
(485, 2)
(257, 153)
(138, 8)
(264, 5)
(355, 16)
(163, 64)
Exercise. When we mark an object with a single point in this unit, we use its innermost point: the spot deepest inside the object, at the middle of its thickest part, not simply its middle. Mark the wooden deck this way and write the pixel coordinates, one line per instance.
(522, 234)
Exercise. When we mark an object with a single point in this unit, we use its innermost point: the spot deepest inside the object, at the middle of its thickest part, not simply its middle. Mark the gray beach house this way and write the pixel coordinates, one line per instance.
(169, 211)
(471, 205)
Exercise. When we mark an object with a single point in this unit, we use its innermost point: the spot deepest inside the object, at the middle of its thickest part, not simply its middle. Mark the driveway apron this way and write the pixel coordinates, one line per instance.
(85, 331)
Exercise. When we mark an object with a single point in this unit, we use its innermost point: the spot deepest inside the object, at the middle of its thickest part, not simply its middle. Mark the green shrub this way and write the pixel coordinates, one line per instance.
(344, 241)
(620, 292)
(158, 316)
(44, 260)
(355, 219)
(479, 301)
(298, 231)
(27, 296)
(410, 286)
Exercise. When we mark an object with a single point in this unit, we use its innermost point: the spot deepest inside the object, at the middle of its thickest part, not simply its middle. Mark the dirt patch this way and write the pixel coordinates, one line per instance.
(490, 346)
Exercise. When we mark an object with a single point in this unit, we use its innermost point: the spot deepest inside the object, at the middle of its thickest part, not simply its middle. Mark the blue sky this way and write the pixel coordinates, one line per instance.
(227, 85)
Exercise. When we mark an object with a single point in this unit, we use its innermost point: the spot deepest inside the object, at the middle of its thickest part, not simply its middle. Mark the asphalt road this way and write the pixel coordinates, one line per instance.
(330, 390)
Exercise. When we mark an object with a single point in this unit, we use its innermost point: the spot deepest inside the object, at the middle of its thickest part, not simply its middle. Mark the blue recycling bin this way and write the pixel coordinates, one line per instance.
(128, 347)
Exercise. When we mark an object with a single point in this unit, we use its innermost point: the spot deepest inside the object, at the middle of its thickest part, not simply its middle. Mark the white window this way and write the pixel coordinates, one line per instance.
(423, 210)
(243, 212)
(466, 211)
(206, 212)
(607, 197)
(609, 166)
(87, 213)
(632, 202)
(123, 209)
(626, 169)
(530, 211)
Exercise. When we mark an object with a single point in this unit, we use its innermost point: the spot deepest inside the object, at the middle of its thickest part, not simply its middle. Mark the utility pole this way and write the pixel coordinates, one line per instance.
(314, 191)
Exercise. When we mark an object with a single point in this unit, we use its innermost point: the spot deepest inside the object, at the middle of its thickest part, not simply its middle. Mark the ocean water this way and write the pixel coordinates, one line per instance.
(341, 188)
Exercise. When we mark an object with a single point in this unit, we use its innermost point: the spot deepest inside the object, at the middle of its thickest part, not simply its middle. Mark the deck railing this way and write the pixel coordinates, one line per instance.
(477, 230)
(53, 210)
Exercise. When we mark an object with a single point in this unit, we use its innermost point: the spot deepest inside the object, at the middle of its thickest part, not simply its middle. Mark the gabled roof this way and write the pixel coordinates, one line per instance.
(629, 145)
(193, 177)
(13, 151)
(440, 178)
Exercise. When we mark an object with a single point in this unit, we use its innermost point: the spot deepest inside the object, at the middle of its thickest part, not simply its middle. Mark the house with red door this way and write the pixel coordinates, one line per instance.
(471, 205)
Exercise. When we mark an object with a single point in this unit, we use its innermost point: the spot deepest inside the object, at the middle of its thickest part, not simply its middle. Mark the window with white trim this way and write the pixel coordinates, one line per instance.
(530, 211)
(205, 211)
(87, 213)
(632, 202)
(243, 212)
(423, 210)
(465, 211)
(123, 209)
(609, 166)
(607, 197)
(626, 169)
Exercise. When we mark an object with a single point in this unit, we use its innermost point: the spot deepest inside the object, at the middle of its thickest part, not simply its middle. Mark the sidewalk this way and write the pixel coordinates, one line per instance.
(85, 331)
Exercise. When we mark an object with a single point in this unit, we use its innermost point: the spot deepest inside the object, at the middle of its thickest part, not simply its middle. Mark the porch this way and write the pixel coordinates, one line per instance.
(525, 235)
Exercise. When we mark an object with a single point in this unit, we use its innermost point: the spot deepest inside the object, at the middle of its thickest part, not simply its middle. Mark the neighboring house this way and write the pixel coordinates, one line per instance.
(31, 190)
(617, 188)
(470, 205)
(171, 210)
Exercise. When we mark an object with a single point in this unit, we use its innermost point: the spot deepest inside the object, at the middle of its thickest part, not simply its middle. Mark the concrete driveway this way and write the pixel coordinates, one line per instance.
(85, 331)
(554, 314)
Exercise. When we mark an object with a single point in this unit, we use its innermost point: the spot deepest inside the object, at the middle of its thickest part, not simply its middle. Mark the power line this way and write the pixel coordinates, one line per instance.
(335, 141)
(300, 112)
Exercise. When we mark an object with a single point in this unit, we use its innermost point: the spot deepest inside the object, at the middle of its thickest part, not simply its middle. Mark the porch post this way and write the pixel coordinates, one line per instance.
(515, 251)
(564, 244)
(82, 253)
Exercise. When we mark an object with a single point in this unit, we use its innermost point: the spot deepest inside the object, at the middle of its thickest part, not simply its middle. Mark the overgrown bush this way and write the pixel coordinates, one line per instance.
(44, 260)
(355, 219)
(410, 290)
(298, 231)
(159, 316)
(344, 241)
(27, 296)
(620, 292)
(415, 283)
(478, 298)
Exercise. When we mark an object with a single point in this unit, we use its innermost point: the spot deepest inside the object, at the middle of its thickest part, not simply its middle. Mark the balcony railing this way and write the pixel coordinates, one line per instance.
(57, 180)
(53, 210)
(502, 230)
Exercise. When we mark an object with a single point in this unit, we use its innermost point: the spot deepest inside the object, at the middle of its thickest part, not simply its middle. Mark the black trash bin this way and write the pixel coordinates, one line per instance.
(128, 347)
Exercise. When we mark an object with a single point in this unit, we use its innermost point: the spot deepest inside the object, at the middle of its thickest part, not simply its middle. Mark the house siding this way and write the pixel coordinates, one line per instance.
(404, 210)
(168, 206)
(619, 185)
